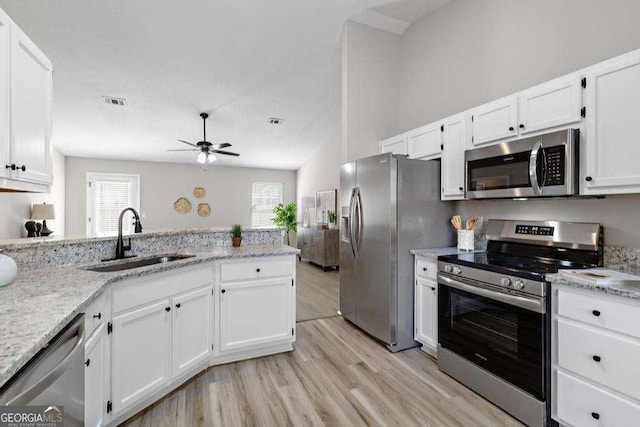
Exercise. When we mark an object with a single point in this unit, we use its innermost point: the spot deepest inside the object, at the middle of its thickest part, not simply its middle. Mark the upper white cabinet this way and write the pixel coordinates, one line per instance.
(612, 118)
(555, 103)
(495, 121)
(395, 145)
(25, 111)
(425, 142)
(455, 135)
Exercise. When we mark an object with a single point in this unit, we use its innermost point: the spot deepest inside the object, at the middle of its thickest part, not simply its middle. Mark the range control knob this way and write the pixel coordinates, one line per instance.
(457, 270)
(518, 284)
(448, 268)
(505, 281)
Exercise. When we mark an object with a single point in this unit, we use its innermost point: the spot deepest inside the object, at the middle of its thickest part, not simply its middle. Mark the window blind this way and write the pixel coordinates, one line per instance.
(111, 198)
(264, 197)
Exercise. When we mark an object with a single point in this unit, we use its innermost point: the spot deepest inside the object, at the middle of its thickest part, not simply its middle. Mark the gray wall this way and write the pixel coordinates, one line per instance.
(15, 208)
(474, 51)
(161, 184)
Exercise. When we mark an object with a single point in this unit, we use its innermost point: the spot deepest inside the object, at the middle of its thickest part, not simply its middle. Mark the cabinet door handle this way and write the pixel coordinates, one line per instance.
(433, 289)
(223, 291)
(257, 270)
(597, 358)
(23, 168)
(424, 269)
(461, 188)
(521, 125)
(595, 415)
(97, 316)
(178, 305)
(589, 179)
(167, 309)
(596, 313)
(511, 128)
(88, 362)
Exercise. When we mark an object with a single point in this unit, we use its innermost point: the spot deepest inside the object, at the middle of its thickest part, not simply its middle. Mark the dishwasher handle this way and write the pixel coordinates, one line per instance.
(25, 397)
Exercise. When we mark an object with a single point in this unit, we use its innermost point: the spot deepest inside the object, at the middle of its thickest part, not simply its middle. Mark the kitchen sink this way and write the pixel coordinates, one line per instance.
(160, 259)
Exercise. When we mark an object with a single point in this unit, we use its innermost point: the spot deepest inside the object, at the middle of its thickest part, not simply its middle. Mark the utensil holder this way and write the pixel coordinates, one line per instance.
(465, 240)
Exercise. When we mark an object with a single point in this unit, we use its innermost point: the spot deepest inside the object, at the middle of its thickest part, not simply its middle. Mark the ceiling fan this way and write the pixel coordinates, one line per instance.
(206, 148)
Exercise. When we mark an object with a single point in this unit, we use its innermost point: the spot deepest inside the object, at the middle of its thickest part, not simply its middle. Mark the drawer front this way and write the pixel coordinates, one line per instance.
(252, 270)
(600, 356)
(141, 291)
(582, 404)
(605, 313)
(95, 314)
(426, 268)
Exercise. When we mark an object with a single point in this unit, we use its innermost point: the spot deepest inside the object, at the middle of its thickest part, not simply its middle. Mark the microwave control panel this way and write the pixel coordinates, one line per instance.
(555, 165)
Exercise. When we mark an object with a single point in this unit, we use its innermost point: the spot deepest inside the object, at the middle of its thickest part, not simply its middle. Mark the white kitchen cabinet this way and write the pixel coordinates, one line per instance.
(426, 304)
(395, 145)
(191, 330)
(495, 121)
(95, 380)
(452, 167)
(612, 117)
(256, 313)
(425, 142)
(5, 49)
(552, 104)
(140, 353)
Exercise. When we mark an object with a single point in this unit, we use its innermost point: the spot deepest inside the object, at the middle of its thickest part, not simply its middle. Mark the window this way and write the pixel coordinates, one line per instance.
(107, 196)
(264, 197)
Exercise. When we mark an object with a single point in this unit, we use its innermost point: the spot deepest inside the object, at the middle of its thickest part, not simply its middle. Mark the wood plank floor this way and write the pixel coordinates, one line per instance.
(318, 293)
(336, 376)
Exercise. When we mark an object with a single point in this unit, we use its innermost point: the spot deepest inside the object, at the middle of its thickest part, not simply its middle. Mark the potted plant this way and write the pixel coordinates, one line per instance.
(332, 219)
(236, 235)
(286, 217)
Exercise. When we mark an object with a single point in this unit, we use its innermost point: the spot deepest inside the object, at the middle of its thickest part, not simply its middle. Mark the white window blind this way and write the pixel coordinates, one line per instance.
(108, 195)
(264, 197)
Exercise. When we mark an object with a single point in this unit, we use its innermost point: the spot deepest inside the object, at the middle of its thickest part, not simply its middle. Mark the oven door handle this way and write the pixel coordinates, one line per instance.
(529, 304)
(533, 168)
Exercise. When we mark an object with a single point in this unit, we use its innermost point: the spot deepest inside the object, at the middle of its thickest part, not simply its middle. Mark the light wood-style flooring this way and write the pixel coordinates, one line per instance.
(336, 376)
(318, 293)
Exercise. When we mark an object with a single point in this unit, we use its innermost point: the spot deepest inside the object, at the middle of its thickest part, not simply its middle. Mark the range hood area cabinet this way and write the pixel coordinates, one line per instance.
(26, 84)
(601, 100)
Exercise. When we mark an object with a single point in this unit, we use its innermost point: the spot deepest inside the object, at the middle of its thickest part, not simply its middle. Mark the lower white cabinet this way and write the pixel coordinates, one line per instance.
(140, 352)
(191, 337)
(426, 305)
(95, 384)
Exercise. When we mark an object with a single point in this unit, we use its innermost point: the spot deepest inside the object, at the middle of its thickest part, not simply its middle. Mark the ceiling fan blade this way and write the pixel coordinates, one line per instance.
(219, 146)
(185, 142)
(186, 149)
(226, 153)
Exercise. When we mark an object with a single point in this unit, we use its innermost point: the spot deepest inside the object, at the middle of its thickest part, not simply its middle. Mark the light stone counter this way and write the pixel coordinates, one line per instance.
(627, 291)
(40, 303)
(434, 253)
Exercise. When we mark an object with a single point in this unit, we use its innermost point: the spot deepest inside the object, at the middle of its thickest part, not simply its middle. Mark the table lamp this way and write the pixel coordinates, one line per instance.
(43, 212)
(306, 203)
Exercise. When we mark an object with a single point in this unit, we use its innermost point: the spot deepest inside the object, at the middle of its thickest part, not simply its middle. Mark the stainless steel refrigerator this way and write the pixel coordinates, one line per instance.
(389, 205)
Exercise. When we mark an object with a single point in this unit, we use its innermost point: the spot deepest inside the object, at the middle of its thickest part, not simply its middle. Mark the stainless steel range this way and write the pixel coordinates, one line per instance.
(494, 310)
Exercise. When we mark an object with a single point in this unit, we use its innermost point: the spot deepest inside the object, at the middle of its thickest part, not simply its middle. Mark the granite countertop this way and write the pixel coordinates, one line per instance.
(627, 291)
(434, 253)
(40, 303)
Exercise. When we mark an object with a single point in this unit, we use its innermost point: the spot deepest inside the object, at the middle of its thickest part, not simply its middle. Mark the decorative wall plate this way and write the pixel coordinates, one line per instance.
(204, 209)
(182, 205)
(199, 192)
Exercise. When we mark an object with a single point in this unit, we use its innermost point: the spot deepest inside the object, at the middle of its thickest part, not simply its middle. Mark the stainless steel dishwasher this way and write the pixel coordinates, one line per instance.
(54, 376)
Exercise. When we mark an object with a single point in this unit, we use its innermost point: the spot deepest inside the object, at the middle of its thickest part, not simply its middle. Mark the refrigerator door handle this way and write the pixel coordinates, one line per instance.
(360, 217)
(352, 238)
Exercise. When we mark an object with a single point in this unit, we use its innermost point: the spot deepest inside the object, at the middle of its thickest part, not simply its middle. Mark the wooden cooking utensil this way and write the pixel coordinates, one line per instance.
(457, 222)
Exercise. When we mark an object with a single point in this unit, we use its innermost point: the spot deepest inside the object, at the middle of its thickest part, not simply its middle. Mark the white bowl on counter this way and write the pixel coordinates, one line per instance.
(8, 270)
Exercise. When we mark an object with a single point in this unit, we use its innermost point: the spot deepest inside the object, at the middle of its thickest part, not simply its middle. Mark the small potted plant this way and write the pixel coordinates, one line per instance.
(332, 219)
(236, 235)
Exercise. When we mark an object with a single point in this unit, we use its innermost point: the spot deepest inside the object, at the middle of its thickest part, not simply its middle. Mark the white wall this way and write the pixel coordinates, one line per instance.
(473, 51)
(320, 172)
(370, 71)
(15, 208)
(161, 184)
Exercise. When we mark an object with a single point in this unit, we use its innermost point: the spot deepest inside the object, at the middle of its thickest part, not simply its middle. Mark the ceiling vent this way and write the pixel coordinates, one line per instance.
(120, 102)
(275, 121)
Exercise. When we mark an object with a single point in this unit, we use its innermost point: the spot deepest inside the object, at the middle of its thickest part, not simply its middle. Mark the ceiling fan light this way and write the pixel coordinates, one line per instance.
(211, 158)
(202, 157)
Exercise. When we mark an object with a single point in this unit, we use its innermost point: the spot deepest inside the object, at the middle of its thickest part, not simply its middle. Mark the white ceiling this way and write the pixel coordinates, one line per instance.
(243, 62)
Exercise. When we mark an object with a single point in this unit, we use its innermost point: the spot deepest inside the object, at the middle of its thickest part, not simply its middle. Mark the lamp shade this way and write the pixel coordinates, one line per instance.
(308, 202)
(43, 211)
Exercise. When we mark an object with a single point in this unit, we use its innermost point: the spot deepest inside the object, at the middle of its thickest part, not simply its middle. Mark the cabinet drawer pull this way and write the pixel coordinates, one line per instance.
(433, 289)
(424, 268)
(511, 129)
(595, 415)
(596, 313)
(589, 179)
(178, 305)
(521, 125)
(88, 362)
(223, 291)
(167, 309)
(23, 168)
(257, 270)
(597, 358)
(97, 316)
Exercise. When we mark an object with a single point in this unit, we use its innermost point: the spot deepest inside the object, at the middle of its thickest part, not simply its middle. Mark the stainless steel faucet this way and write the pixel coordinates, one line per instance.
(120, 247)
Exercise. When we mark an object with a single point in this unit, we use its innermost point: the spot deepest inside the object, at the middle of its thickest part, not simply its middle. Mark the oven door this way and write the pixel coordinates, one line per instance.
(504, 333)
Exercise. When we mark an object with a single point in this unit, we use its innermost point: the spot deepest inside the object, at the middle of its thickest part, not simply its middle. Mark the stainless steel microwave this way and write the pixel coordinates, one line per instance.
(542, 166)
